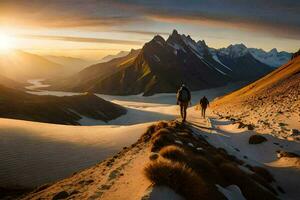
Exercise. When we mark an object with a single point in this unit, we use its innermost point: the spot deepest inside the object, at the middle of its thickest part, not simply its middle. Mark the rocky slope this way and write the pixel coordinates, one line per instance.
(17, 104)
(271, 104)
(163, 65)
(170, 160)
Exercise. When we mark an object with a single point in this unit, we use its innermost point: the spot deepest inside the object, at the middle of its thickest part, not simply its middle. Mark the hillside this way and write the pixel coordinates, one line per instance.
(34, 154)
(271, 104)
(172, 161)
(70, 65)
(20, 66)
(17, 104)
(90, 76)
(110, 57)
(10, 83)
(163, 65)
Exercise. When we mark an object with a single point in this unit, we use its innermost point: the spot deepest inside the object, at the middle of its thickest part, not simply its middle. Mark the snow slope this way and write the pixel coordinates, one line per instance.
(34, 153)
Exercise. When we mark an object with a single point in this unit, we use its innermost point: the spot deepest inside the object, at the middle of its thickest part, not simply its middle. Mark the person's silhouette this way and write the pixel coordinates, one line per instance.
(183, 100)
(204, 104)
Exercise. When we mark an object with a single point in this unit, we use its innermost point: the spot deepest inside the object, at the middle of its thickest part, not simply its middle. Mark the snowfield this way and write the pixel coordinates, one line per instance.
(34, 153)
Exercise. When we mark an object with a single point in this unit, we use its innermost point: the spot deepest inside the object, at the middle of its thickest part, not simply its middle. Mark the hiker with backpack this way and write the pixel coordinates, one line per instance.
(183, 100)
(204, 104)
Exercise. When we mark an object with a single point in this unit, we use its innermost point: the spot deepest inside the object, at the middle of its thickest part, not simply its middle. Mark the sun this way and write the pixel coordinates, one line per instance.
(6, 42)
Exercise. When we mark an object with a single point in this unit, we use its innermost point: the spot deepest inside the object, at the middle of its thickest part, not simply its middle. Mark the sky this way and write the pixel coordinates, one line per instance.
(91, 29)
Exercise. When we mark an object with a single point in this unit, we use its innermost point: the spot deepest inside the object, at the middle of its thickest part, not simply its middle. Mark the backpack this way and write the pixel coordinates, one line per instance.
(183, 95)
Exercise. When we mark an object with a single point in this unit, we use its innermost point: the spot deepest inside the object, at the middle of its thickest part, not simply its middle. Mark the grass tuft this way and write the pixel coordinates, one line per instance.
(263, 173)
(173, 153)
(179, 177)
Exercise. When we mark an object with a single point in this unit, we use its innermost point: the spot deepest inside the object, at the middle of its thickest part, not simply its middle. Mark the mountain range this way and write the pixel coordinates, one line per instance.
(70, 65)
(20, 66)
(163, 65)
(110, 57)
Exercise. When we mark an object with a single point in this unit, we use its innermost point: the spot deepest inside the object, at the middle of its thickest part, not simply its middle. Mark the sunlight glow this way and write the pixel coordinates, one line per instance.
(6, 42)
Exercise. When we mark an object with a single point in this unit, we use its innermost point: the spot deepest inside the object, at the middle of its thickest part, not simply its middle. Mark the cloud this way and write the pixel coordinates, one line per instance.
(269, 28)
(272, 17)
(63, 14)
(151, 33)
(80, 39)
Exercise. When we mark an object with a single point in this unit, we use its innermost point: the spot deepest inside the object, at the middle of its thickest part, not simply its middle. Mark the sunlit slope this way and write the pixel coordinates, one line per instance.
(9, 82)
(92, 75)
(19, 65)
(271, 105)
(276, 79)
(34, 153)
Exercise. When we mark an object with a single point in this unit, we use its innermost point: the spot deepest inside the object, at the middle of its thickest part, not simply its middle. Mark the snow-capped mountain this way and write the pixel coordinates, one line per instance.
(272, 57)
(234, 51)
(163, 65)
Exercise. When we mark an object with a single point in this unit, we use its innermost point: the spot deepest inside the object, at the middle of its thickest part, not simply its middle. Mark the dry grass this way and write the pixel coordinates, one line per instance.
(179, 177)
(202, 165)
(160, 139)
(152, 129)
(174, 153)
(263, 173)
(160, 132)
(160, 125)
(250, 188)
(194, 174)
(153, 156)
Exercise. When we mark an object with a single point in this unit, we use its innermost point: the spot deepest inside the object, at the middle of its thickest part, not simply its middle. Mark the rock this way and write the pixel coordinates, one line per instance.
(287, 154)
(257, 139)
(250, 127)
(241, 125)
(294, 132)
(61, 195)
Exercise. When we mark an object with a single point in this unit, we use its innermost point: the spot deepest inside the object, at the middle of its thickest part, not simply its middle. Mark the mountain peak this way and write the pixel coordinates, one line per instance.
(175, 32)
(273, 51)
(237, 46)
(158, 39)
(201, 43)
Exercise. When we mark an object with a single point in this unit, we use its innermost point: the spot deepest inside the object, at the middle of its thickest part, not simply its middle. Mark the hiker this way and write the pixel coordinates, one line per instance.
(183, 100)
(203, 103)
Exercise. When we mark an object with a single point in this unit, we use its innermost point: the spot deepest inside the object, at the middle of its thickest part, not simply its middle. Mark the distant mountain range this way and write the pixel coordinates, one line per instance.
(272, 58)
(163, 65)
(9, 83)
(70, 65)
(110, 57)
(19, 66)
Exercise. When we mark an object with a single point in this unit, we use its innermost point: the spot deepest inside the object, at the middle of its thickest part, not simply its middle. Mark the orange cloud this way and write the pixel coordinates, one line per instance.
(81, 39)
